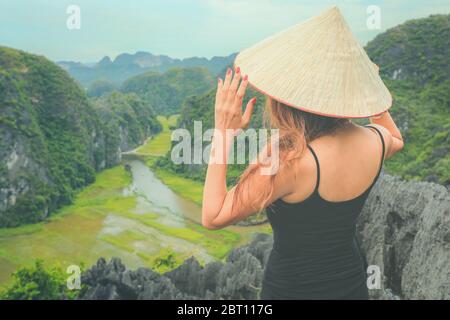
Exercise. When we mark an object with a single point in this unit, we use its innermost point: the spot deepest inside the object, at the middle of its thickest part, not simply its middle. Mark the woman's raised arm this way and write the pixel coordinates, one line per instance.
(217, 201)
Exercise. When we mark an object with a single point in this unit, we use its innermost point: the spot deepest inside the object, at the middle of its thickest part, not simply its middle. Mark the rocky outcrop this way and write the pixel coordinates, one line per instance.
(238, 278)
(403, 229)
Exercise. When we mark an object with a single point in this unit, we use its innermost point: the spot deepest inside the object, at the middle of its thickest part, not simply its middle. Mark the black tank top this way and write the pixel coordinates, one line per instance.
(315, 254)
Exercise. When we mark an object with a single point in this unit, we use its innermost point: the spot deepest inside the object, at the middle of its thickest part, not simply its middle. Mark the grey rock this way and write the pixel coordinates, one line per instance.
(403, 229)
(238, 278)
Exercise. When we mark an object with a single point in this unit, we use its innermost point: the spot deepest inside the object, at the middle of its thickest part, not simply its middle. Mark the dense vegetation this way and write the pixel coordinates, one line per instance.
(39, 282)
(421, 93)
(100, 87)
(423, 115)
(127, 122)
(46, 117)
(416, 50)
(414, 61)
(166, 92)
(52, 139)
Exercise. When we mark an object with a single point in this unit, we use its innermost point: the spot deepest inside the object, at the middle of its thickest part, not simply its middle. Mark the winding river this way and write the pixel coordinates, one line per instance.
(73, 238)
(154, 196)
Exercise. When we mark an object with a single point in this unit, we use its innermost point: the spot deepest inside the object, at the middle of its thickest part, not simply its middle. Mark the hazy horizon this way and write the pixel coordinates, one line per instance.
(179, 28)
(135, 52)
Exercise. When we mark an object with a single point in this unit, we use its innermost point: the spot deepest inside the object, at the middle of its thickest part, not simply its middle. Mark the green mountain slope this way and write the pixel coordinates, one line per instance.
(166, 92)
(414, 60)
(52, 140)
(127, 122)
(416, 50)
(99, 88)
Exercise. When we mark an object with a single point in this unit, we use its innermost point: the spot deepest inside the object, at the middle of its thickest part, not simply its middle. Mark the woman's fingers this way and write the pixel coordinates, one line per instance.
(232, 90)
(248, 112)
(241, 91)
(219, 88)
(234, 84)
(219, 92)
(227, 81)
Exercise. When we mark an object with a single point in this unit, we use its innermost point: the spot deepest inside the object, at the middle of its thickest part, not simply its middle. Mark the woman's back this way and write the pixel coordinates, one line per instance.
(313, 199)
(349, 161)
(315, 255)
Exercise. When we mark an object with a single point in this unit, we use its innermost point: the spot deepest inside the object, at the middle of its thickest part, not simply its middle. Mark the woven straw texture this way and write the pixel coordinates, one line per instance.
(317, 66)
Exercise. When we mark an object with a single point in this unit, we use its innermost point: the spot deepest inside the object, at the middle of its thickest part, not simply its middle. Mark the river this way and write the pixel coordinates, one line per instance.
(75, 238)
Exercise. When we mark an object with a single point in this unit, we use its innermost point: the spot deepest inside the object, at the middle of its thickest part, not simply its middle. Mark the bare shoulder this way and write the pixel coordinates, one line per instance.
(385, 132)
(299, 177)
(268, 169)
(387, 136)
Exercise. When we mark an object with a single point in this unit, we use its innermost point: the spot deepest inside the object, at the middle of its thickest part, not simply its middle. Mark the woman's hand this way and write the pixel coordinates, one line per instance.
(229, 98)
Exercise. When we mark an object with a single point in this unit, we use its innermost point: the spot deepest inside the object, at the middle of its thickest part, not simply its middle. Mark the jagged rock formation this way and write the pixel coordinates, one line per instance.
(404, 229)
(238, 278)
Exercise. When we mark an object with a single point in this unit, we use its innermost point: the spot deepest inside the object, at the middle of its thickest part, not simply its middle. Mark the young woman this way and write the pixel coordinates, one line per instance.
(327, 167)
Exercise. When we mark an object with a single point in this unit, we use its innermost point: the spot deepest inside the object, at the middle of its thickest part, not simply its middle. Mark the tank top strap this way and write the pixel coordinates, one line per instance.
(317, 165)
(383, 149)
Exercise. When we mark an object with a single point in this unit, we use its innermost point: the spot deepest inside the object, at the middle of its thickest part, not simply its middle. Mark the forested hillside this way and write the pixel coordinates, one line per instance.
(100, 87)
(127, 122)
(414, 63)
(166, 92)
(52, 139)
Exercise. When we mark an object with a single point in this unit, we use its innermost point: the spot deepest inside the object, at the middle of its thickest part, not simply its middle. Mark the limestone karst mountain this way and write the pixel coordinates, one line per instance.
(128, 65)
(53, 139)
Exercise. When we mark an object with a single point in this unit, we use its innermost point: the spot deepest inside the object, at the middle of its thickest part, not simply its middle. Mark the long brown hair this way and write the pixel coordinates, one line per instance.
(297, 128)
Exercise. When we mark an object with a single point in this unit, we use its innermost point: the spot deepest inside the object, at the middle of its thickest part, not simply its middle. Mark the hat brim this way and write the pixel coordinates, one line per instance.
(309, 110)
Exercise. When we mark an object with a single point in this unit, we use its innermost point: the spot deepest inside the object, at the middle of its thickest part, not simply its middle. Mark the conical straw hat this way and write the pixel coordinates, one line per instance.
(317, 66)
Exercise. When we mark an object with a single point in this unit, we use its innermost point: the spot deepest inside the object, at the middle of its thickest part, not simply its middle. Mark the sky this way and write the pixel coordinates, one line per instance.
(180, 28)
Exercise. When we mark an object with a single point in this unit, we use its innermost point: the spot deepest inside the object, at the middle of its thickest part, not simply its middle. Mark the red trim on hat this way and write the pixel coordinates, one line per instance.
(308, 110)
